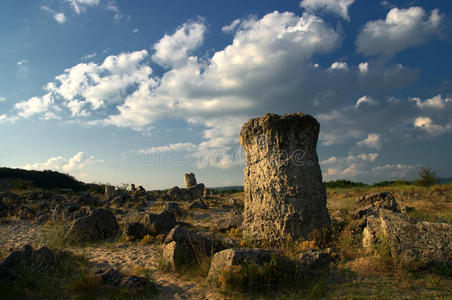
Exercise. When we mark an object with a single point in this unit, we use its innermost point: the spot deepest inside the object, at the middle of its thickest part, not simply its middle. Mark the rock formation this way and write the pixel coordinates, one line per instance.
(190, 180)
(284, 193)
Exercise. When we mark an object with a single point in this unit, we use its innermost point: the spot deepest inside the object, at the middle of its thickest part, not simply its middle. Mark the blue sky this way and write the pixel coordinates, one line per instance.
(144, 91)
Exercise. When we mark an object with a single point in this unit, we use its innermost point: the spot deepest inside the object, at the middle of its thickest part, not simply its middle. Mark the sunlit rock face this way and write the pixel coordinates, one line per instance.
(284, 193)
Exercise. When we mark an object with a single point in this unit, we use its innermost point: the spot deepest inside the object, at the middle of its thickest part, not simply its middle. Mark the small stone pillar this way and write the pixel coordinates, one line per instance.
(284, 193)
(109, 190)
(190, 180)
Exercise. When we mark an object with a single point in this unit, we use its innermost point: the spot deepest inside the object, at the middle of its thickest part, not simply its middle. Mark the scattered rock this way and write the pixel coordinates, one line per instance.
(3, 209)
(190, 180)
(233, 219)
(160, 223)
(232, 257)
(136, 231)
(183, 247)
(135, 282)
(340, 215)
(197, 191)
(25, 212)
(109, 191)
(370, 204)
(112, 277)
(99, 225)
(412, 243)
(42, 259)
(311, 258)
(197, 204)
(174, 208)
(284, 192)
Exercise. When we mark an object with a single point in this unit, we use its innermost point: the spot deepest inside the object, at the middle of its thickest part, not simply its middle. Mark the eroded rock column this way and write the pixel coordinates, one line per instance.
(284, 193)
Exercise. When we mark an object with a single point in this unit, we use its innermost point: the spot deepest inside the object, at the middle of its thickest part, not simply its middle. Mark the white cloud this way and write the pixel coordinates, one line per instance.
(177, 147)
(80, 5)
(89, 56)
(172, 50)
(135, 30)
(363, 67)
(364, 99)
(58, 163)
(231, 27)
(60, 18)
(437, 102)
(2, 99)
(23, 66)
(37, 105)
(373, 140)
(402, 29)
(339, 7)
(339, 66)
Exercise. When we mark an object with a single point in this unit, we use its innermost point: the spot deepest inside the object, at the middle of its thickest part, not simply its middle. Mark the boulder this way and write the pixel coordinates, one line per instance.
(3, 209)
(69, 211)
(135, 282)
(197, 191)
(184, 247)
(284, 192)
(112, 277)
(42, 259)
(233, 219)
(190, 180)
(312, 258)
(160, 223)
(136, 231)
(226, 259)
(412, 243)
(24, 212)
(370, 204)
(174, 208)
(99, 225)
(197, 204)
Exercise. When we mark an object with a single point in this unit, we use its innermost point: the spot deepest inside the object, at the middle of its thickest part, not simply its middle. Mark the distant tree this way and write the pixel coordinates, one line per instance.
(427, 177)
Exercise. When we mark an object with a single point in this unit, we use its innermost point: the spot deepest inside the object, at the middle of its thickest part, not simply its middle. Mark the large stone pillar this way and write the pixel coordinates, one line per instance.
(284, 193)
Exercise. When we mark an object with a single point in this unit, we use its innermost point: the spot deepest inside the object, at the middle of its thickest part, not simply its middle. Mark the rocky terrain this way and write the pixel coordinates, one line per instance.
(284, 237)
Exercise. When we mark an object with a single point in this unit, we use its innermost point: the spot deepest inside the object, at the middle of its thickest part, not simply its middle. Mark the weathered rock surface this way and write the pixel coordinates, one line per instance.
(233, 219)
(284, 193)
(228, 258)
(197, 204)
(136, 231)
(312, 258)
(183, 247)
(412, 243)
(99, 225)
(25, 212)
(370, 204)
(159, 223)
(190, 180)
(42, 259)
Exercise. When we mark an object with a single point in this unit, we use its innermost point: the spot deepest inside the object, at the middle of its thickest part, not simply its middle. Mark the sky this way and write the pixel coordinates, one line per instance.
(145, 91)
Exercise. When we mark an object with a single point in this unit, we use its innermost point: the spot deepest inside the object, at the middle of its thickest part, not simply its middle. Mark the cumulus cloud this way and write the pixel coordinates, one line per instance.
(339, 66)
(339, 7)
(37, 105)
(172, 50)
(402, 29)
(89, 56)
(231, 27)
(437, 102)
(363, 67)
(2, 99)
(373, 140)
(59, 163)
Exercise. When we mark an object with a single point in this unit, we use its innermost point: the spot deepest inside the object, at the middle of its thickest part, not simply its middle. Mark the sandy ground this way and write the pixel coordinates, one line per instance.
(125, 257)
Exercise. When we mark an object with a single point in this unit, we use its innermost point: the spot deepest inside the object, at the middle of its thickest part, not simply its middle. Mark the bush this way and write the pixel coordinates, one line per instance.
(427, 177)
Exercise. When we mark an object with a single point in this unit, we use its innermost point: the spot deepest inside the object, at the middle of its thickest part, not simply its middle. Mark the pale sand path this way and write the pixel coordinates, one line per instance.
(125, 257)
